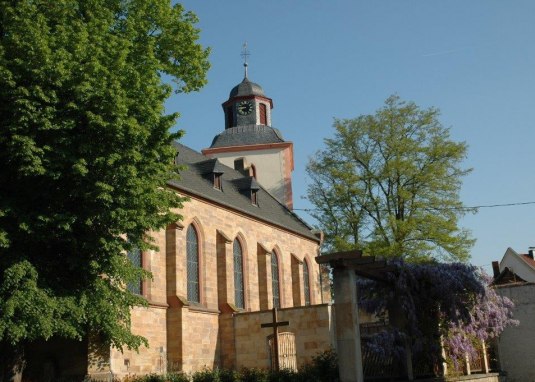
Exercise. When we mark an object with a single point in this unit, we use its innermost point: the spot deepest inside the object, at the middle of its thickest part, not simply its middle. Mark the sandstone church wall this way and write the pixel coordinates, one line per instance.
(312, 326)
(209, 219)
(187, 336)
(150, 323)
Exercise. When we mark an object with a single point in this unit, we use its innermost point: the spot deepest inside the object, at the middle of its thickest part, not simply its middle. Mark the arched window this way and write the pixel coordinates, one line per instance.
(275, 280)
(134, 255)
(192, 252)
(306, 282)
(263, 114)
(239, 297)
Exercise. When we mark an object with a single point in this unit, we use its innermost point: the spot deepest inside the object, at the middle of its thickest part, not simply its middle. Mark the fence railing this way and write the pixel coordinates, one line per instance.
(382, 367)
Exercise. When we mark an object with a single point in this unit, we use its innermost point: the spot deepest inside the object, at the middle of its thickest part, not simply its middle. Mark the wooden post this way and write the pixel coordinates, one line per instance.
(275, 325)
(485, 358)
(408, 360)
(467, 361)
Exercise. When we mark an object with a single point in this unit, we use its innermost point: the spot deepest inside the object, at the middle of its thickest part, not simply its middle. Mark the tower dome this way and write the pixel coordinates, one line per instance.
(246, 88)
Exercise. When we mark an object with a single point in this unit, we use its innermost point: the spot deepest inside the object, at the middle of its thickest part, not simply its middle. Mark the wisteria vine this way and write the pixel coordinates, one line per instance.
(433, 304)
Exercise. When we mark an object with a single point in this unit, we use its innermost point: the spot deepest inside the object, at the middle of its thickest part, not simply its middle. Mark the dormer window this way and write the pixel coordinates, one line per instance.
(218, 181)
(248, 187)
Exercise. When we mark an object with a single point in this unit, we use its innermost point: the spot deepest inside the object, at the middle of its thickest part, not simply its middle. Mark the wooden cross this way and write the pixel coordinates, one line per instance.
(275, 325)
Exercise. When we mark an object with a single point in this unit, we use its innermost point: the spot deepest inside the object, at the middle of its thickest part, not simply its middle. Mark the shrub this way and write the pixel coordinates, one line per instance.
(226, 375)
(323, 368)
(176, 377)
(206, 375)
(254, 375)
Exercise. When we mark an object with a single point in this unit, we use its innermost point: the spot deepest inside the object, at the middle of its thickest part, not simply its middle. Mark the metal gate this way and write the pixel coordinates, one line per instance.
(287, 354)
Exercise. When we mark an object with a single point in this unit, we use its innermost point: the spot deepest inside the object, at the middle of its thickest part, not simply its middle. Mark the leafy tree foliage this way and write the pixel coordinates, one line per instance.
(389, 184)
(434, 302)
(85, 153)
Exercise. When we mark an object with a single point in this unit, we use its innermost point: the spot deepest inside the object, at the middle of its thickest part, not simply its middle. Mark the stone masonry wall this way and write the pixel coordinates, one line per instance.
(151, 323)
(312, 326)
(186, 336)
(211, 220)
(515, 345)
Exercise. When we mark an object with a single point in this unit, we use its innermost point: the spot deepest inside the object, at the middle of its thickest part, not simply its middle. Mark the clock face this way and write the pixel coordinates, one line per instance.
(245, 107)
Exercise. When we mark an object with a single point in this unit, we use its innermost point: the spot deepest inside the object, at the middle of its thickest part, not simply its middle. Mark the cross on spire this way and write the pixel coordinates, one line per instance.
(245, 53)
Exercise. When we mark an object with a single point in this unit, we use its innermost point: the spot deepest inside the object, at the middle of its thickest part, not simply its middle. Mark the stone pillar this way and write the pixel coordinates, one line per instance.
(226, 299)
(347, 325)
(225, 270)
(175, 300)
(264, 278)
(298, 292)
(325, 284)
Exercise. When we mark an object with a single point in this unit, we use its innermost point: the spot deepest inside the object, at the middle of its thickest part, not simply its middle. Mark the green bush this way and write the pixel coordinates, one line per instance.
(226, 375)
(176, 377)
(254, 375)
(206, 375)
(323, 368)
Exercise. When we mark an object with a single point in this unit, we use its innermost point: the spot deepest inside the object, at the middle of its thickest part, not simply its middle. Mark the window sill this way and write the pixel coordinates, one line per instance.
(194, 307)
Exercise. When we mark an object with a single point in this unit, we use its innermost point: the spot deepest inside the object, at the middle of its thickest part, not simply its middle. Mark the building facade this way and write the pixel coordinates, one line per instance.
(514, 277)
(238, 252)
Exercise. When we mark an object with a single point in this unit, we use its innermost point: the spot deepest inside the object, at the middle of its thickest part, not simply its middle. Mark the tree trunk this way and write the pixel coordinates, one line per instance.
(11, 362)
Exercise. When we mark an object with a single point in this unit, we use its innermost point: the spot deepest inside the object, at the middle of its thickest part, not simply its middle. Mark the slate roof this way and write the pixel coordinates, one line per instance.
(246, 88)
(247, 135)
(194, 180)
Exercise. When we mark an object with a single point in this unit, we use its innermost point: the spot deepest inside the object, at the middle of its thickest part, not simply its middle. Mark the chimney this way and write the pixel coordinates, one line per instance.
(530, 252)
(240, 165)
(496, 268)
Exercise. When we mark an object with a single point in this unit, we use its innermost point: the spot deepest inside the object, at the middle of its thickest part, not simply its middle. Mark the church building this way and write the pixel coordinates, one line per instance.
(238, 252)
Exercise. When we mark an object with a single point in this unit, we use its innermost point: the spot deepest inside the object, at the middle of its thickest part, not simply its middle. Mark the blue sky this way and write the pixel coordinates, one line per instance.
(317, 60)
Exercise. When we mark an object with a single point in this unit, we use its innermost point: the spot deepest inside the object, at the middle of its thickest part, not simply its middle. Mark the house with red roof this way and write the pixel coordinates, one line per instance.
(514, 267)
(514, 277)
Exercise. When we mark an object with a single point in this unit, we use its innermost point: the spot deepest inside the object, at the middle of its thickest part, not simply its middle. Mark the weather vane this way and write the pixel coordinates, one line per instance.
(245, 53)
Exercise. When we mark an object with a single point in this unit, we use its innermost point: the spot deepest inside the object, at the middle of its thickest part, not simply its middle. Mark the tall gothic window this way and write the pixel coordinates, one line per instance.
(275, 280)
(239, 299)
(192, 252)
(134, 255)
(306, 283)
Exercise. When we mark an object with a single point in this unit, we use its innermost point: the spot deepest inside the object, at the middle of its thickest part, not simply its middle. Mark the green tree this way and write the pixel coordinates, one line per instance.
(85, 154)
(389, 184)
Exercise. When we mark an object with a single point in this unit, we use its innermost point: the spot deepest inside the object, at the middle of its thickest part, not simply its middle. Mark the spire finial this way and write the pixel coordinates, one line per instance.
(245, 53)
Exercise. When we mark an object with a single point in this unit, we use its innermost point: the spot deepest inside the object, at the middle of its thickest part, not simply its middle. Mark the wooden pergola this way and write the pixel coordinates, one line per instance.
(364, 266)
(346, 266)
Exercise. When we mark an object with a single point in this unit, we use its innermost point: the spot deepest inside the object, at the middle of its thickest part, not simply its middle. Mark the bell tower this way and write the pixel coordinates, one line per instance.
(250, 144)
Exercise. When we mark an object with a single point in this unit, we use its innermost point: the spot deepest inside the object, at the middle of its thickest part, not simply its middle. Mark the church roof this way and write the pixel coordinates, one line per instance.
(193, 180)
(246, 88)
(247, 135)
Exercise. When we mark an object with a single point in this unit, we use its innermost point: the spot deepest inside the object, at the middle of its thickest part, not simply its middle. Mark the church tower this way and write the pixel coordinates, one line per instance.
(251, 145)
